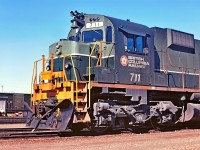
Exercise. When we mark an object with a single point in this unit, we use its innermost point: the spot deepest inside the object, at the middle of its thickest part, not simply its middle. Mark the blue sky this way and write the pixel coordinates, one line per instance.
(28, 27)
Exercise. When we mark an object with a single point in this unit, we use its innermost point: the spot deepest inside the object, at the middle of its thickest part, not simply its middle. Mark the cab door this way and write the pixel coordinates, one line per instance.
(105, 68)
(135, 66)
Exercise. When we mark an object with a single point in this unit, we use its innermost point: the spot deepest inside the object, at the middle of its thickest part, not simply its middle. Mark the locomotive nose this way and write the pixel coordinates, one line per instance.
(67, 47)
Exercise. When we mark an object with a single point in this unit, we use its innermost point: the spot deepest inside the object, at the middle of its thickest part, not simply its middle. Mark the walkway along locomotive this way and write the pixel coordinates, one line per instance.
(111, 73)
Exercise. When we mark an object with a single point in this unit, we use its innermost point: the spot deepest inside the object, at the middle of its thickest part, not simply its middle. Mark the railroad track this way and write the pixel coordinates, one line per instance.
(15, 129)
(18, 133)
(6, 133)
(28, 133)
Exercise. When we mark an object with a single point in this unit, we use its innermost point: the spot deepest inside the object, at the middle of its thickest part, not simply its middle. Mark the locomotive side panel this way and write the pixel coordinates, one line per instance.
(175, 64)
(160, 78)
(197, 56)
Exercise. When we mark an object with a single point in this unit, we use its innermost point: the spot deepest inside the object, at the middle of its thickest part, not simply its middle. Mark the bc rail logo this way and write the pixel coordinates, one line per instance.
(134, 62)
(124, 60)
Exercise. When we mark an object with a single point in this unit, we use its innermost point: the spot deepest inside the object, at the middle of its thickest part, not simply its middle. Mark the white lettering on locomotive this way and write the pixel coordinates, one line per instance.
(94, 25)
(135, 77)
(132, 61)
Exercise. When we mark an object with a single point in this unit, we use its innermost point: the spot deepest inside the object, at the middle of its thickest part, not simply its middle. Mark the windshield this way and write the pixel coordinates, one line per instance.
(92, 35)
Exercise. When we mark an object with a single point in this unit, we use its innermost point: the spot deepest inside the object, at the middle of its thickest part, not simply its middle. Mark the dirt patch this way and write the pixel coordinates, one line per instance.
(184, 139)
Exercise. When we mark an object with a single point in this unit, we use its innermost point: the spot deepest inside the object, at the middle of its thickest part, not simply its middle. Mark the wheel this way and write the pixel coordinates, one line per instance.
(160, 123)
(131, 127)
(101, 129)
(95, 127)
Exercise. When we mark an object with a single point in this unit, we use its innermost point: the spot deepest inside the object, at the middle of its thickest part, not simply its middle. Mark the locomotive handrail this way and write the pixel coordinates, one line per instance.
(171, 64)
(76, 79)
(89, 68)
(100, 55)
(64, 73)
(64, 76)
(33, 70)
(89, 73)
(183, 70)
(99, 61)
(182, 67)
(34, 76)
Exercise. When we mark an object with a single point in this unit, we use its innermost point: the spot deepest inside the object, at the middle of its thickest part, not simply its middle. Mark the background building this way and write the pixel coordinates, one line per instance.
(12, 104)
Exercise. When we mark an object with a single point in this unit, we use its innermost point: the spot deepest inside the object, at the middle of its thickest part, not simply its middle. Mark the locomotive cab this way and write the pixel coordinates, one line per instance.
(90, 36)
(120, 51)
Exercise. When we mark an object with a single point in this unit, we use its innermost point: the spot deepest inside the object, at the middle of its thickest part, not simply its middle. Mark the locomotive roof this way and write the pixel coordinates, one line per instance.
(129, 27)
(126, 25)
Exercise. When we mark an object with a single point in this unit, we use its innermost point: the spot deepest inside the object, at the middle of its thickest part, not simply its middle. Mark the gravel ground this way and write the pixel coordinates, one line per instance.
(19, 125)
(184, 139)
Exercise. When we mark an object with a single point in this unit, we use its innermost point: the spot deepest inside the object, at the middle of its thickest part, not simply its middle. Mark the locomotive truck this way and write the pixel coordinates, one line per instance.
(111, 73)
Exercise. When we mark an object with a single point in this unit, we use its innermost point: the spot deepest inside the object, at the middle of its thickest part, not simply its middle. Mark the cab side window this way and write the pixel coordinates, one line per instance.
(135, 43)
(130, 43)
(109, 34)
(139, 44)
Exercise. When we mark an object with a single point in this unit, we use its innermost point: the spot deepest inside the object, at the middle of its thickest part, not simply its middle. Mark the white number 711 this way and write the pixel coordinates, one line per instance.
(135, 77)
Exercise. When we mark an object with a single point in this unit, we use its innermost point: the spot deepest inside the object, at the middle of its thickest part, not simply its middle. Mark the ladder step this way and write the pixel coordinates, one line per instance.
(80, 97)
(79, 91)
(81, 110)
(80, 101)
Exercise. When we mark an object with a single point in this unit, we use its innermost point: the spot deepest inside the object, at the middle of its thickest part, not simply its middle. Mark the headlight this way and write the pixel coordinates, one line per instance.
(58, 52)
(48, 68)
(68, 66)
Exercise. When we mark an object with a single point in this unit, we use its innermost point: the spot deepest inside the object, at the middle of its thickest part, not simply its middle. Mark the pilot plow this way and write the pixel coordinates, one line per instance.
(51, 115)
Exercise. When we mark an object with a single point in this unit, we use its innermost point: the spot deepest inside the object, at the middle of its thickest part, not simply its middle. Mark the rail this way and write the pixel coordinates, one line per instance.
(183, 69)
(75, 75)
(34, 77)
(89, 73)
(34, 80)
(99, 63)
(26, 133)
